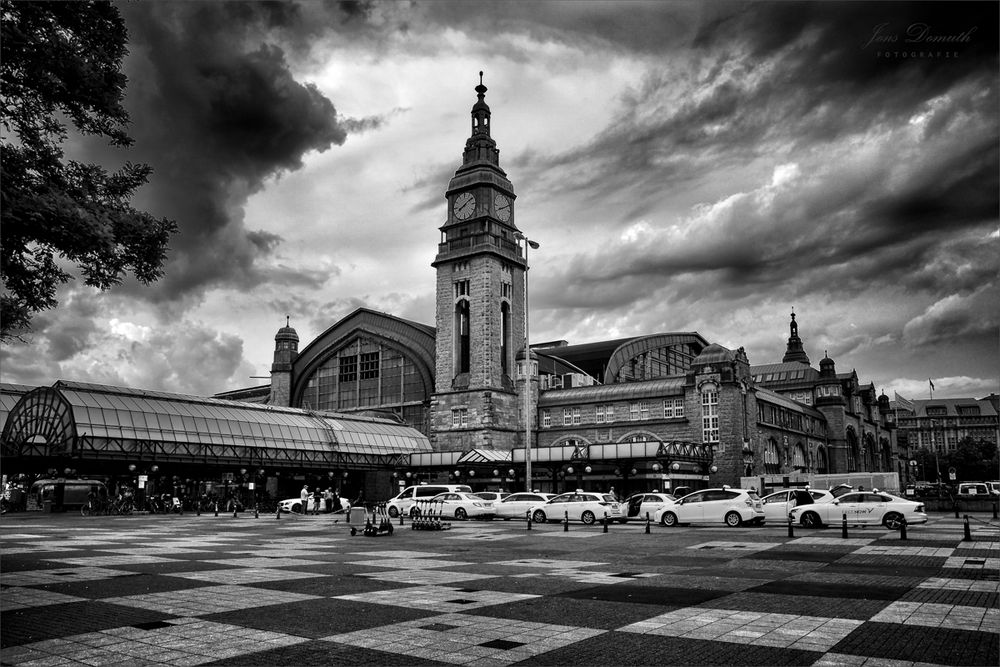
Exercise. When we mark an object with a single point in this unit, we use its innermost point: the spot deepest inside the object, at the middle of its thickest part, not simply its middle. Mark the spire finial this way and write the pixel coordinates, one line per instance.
(480, 77)
(287, 320)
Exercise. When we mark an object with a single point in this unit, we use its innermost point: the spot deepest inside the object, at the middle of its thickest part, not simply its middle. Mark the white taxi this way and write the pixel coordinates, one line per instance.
(586, 506)
(462, 505)
(733, 507)
(864, 508)
(517, 505)
(641, 505)
(777, 505)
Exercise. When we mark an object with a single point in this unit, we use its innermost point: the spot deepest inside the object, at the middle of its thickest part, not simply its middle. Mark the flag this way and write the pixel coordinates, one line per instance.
(904, 403)
(932, 383)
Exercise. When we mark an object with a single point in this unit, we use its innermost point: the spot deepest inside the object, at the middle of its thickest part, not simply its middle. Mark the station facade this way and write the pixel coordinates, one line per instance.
(481, 406)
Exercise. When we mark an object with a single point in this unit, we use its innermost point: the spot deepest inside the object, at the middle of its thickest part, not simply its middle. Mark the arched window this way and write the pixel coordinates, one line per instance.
(821, 465)
(853, 453)
(772, 460)
(505, 339)
(710, 413)
(799, 457)
(462, 336)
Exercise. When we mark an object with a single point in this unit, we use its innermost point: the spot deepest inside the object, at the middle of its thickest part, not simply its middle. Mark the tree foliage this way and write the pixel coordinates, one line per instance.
(59, 62)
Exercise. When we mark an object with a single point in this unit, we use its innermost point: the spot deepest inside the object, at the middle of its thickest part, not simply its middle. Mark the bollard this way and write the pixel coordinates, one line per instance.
(647, 523)
(236, 510)
(256, 512)
(528, 513)
(277, 513)
(791, 528)
(197, 509)
(843, 529)
(956, 509)
(400, 518)
(995, 509)
(605, 520)
(902, 529)
(968, 531)
(216, 509)
(566, 522)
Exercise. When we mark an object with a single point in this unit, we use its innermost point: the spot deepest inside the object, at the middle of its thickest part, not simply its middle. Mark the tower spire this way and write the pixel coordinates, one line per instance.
(794, 351)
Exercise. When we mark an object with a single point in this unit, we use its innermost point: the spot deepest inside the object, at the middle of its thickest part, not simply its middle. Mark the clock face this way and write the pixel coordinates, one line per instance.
(502, 207)
(464, 206)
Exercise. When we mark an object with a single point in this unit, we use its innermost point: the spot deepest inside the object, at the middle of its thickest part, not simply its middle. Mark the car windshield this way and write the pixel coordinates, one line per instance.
(608, 498)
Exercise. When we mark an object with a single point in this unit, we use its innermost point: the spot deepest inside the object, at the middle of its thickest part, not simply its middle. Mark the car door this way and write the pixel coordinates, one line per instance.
(633, 506)
(689, 509)
(509, 507)
(776, 507)
(650, 504)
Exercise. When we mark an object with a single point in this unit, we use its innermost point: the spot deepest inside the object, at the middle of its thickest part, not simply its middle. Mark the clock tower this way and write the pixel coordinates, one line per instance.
(480, 301)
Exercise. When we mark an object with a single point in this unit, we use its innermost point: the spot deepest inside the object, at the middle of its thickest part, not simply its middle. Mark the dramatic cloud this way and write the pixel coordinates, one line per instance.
(686, 166)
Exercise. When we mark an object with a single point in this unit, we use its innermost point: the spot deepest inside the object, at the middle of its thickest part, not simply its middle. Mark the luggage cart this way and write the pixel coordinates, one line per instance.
(376, 520)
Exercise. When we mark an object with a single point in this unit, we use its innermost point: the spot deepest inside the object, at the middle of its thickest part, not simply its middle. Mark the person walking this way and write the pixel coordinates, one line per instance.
(337, 505)
(328, 500)
(304, 499)
(317, 500)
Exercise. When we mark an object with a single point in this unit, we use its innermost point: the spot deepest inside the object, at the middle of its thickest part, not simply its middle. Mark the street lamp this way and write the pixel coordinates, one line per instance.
(528, 243)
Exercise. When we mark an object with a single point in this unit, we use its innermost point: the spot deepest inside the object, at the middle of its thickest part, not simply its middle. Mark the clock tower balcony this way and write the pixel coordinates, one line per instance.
(475, 244)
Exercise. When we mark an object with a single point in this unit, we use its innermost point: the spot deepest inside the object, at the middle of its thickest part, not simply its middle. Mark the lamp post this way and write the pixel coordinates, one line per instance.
(528, 243)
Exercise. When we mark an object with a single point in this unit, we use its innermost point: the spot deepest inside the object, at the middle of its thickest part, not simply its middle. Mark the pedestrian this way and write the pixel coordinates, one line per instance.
(337, 505)
(317, 500)
(304, 499)
(328, 500)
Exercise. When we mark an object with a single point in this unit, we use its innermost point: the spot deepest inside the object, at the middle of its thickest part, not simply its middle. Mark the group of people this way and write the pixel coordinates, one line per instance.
(320, 500)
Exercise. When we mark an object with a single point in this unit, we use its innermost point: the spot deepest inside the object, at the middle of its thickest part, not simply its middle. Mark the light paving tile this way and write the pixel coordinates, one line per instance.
(463, 643)
(936, 615)
(424, 577)
(400, 554)
(17, 597)
(736, 546)
(149, 646)
(833, 541)
(266, 562)
(548, 563)
(409, 563)
(249, 575)
(485, 537)
(972, 563)
(443, 598)
(101, 561)
(972, 585)
(885, 550)
(746, 627)
(208, 600)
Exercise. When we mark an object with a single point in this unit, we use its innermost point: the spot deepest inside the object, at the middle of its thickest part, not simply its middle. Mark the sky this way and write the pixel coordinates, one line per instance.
(684, 166)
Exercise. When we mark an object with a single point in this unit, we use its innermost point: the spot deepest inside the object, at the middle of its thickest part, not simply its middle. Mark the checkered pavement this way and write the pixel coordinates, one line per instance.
(243, 591)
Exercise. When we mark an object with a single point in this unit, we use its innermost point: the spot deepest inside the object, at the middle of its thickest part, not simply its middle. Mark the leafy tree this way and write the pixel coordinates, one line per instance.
(62, 61)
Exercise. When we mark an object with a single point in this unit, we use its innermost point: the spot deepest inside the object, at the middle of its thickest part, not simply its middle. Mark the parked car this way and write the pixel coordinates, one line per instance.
(517, 505)
(495, 496)
(733, 507)
(462, 505)
(778, 504)
(641, 505)
(994, 488)
(869, 508)
(974, 490)
(588, 507)
(405, 501)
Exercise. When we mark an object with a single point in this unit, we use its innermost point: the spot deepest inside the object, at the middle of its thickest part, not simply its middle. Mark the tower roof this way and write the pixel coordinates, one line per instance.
(794, 351)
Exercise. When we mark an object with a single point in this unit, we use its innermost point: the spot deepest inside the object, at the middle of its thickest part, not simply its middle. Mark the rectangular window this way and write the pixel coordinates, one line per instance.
(633, 411)
(461, 288)
(567, 417)
(459, 417)
(599, 414)
(609, 414)
(576, 415)
(673, 408)
(710, 416)
(369, 365)
(349, 368)
(546, 419)
(643, 410)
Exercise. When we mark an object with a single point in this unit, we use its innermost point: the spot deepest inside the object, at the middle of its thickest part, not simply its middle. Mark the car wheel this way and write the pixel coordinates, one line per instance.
(811, 520)
(733, 519)
(461, 514)
(588, 518)
(297, 508)
(394, 512)
(668, 519)
(538, 516)
(893, 520)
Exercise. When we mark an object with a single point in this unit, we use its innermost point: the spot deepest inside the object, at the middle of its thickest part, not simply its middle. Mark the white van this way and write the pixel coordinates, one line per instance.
(403, 503)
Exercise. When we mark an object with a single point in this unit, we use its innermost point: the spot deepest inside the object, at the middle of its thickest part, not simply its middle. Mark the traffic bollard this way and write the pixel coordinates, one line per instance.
(605, 522)
(843, 528)
(256, 512)
(996, 507)
(236, 511)
(968, 530)
(216, 509)
(902, 529)
(791, 528)
(566, 522)
(647, 523)
(197, 509)
(277, 513)
(528, 516)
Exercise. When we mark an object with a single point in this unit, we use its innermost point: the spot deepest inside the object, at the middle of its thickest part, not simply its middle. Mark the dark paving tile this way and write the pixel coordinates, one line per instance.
(325, 653)
(25, 626)
(885, 568)
(320, 618)
(944, 596)
(136, 584)
(802, 605)
(330, 586)
(799, 555)
(829, 590)
(922, 644)
(169, 567)
(626, 648)
(646, 595)
(600, 614)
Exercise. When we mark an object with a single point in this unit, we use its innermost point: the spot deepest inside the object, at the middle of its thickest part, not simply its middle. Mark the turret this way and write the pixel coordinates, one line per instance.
(286, 349)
